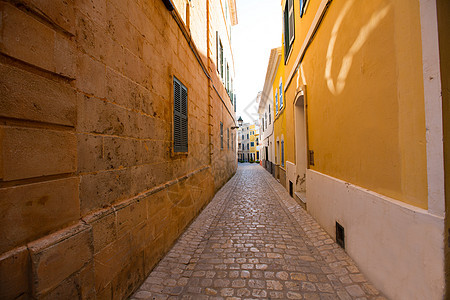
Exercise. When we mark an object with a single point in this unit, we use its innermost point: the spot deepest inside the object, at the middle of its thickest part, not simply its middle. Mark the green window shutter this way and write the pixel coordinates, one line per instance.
(180, 117)
(217, 52)
(221, 135)
(286, 31)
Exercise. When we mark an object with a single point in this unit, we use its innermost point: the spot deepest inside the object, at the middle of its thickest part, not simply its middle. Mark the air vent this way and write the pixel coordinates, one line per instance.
(340, 235)
(291, 189)
(311, 157)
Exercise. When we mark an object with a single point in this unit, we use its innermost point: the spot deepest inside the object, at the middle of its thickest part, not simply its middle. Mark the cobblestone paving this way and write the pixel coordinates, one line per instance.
(254, 241)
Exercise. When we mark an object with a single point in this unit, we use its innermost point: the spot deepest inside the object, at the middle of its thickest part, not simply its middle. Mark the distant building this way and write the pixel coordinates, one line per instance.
(249, 143)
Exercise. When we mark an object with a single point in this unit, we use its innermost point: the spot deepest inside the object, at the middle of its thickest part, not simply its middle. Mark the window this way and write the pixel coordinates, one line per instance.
(265, 124)
(228, 79)
(221, 59)
(302, 7)
(257, 155)
(221, 135)
(180, 117)
(281, 94)
(248, 146)
(257, 141)
(243, 147)
(243, 137)
(247, 136)
(252, 144)
(289, 33)
(262, 123)
(228, 138)
(276, 100)
(282, 153)
(270, 115)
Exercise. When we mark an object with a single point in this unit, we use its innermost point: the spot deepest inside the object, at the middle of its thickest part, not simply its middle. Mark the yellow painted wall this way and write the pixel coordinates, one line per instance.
(369, 127)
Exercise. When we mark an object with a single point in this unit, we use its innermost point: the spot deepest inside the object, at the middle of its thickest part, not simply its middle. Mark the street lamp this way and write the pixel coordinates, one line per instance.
(240, 121)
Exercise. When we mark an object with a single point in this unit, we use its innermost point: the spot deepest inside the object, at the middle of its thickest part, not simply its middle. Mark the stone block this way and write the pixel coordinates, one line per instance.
(103, 225)
(59, 13)
(153, 253)
(111, 260)
(103, 188)
(120, 152)
(31, 152)
(97, 116)
(135, 69)
(90, 153)
(153, 151)
(43, 100)
(29, 40)
(150, 176)
(122, 90)
(14, 267)
(55, 257)
(142, 236)
(36, 209)
(130, 215)
(91, 76)
(159, 208)
(94, 9)
(91, 37)
(129, 277)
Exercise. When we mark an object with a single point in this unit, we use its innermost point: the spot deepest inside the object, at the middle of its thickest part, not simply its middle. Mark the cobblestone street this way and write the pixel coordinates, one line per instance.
(254, 241)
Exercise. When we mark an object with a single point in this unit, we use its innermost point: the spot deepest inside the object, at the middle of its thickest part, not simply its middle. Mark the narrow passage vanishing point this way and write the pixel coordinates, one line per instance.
(254, 241)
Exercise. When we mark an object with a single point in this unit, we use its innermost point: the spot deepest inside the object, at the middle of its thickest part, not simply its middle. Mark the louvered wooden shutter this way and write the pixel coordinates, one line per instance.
(221, 135)
(180, 117)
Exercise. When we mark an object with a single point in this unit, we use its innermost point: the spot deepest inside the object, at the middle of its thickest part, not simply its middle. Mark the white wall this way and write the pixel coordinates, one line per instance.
(397, 246)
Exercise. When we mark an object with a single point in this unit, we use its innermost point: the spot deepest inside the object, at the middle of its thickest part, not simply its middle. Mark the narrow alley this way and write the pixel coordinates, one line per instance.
(254, 241)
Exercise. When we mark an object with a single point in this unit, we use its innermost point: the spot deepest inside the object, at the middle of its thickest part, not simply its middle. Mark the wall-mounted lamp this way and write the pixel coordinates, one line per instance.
(240, 121)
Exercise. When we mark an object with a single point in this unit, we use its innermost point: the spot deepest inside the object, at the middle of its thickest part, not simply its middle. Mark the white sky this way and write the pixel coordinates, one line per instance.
(257, 32)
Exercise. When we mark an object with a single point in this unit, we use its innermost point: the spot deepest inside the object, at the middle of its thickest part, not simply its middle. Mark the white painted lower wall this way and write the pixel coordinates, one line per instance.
(399, 247)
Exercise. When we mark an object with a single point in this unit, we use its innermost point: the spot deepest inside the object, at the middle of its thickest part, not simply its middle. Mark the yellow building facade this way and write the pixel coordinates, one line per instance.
(358, 131)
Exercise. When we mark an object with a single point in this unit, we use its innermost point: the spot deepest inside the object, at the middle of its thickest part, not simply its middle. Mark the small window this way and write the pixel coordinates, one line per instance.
(289, 28)
(248, 146)
(221, 135)
(276, 100)
(217, 52)
(270, 115)
(281, 94)
(252, 144)
(282, 153)
(247, 136)
(302, 7)
(180, 117)
(221, 59)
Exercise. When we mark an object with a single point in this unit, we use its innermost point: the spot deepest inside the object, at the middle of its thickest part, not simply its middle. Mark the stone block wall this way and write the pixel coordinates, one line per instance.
(91, 193)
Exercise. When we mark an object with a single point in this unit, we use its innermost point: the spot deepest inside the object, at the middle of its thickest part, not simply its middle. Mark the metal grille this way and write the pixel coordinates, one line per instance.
(340, 235)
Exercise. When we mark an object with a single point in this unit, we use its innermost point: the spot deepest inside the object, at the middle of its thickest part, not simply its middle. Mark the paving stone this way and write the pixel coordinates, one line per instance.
(254, 241)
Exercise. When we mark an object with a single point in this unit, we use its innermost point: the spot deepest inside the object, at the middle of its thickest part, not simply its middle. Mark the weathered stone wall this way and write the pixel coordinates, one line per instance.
(91, 193)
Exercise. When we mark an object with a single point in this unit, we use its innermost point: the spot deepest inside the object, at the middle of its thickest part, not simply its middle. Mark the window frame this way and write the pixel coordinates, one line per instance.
(181, 114)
